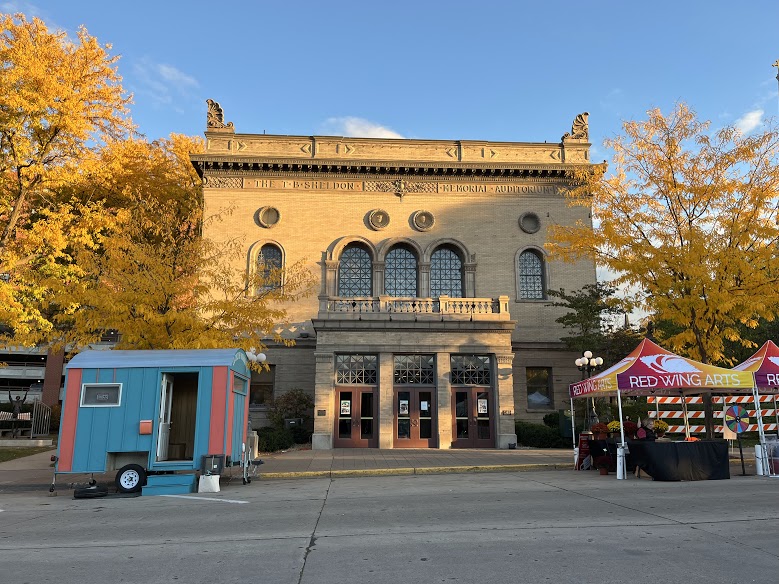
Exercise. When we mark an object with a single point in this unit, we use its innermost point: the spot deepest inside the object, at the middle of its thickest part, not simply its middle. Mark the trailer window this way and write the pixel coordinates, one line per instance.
(101, 395)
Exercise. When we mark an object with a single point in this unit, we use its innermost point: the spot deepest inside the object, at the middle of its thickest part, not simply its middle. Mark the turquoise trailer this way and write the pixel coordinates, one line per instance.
(153, 416)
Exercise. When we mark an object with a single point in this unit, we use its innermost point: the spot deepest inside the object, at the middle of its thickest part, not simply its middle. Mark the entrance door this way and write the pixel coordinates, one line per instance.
(415, 423)
(472, 418)
(357, 425)
(166, 399)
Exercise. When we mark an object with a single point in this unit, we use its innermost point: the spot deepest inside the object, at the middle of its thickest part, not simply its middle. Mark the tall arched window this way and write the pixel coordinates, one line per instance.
(269, 267)
(400, 273)
(446, 273)
(355, 272)
(530, 269)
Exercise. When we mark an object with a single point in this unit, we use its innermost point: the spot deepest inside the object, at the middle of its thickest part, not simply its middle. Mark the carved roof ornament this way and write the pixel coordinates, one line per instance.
(215, 117)
(580, 130)
(400, 188)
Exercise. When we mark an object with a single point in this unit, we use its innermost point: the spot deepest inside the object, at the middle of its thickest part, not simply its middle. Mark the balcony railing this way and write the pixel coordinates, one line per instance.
(379, 307)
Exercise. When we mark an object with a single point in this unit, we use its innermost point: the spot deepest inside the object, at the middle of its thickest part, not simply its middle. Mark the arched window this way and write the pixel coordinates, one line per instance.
(400, 273)
(530, 269)
(355, 272)
(446, 273)
(268, 267)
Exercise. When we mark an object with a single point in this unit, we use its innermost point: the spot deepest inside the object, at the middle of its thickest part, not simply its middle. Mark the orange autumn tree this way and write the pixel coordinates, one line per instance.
(60, 99)
(156, 280)
(688, 218)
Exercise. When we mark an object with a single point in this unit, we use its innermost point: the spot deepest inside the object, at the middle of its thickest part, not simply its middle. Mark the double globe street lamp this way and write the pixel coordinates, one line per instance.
(587, 364)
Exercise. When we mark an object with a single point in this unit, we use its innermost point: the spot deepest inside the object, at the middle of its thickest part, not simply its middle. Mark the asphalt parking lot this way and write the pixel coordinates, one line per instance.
(535, 526)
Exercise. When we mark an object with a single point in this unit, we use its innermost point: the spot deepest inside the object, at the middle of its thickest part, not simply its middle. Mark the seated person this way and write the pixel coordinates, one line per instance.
(646, 431)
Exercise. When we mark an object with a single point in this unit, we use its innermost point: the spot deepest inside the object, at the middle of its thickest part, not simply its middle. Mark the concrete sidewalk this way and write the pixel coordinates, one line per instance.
(374, 461)
(35, 472)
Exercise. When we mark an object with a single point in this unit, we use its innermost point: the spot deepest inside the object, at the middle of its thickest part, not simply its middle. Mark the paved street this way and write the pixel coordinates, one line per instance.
(505, 527)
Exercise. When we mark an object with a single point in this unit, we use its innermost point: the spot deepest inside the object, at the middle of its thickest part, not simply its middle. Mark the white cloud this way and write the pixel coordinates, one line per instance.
(160, 81)
(356, 128)
(173, 75)
(749, 121)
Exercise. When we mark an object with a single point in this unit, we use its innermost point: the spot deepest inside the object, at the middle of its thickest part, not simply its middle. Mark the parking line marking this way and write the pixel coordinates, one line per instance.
(206, 499)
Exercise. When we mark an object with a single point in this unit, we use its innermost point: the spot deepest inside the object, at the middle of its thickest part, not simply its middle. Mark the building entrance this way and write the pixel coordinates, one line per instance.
(415, 419)
(356, 424)
(472, 418)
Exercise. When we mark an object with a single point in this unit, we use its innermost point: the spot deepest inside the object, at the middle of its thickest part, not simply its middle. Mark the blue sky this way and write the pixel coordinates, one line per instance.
(488, 70)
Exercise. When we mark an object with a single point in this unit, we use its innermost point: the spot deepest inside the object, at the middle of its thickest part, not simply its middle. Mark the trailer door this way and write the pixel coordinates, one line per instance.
(166, 398)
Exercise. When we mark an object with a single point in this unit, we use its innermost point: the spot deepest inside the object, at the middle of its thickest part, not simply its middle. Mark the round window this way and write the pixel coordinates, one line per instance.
(529, 223)
(268, 216)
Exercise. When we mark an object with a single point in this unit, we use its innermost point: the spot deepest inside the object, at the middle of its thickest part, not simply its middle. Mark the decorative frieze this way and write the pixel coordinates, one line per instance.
(223, 182)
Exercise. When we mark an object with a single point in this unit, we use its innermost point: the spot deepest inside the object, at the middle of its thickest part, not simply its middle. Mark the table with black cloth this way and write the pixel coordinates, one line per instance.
(681, 461)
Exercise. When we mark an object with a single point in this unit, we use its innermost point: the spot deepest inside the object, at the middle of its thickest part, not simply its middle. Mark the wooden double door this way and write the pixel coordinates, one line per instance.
(473, 420)
(415, 418)
(357, 423)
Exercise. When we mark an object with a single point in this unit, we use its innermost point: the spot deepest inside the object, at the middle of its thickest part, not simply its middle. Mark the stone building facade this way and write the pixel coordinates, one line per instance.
(431, 326)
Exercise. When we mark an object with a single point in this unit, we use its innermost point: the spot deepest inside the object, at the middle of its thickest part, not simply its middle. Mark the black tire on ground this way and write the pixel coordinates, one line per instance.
(130, 478)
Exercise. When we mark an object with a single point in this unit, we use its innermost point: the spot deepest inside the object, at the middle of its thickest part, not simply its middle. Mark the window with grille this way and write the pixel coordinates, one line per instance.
(400, 273)
(355, 272)
(530, 269)
(539, 387)
(356, 369)
(446, 273)
(269, 267)
(414, 369)
(471, 370)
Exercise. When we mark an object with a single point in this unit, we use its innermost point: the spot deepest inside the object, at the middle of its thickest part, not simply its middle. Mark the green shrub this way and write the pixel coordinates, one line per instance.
(296, 403)
(552, 420)
(539, 436)
(301, 435)
(274, 439)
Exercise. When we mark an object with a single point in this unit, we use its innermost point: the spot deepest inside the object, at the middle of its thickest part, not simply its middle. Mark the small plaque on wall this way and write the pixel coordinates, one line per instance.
(321, 412)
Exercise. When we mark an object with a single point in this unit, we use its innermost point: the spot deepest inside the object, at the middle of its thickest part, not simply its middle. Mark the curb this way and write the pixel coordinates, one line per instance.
(405, 471)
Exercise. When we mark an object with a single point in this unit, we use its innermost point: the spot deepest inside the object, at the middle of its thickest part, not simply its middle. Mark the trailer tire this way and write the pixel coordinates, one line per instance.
(130, 478)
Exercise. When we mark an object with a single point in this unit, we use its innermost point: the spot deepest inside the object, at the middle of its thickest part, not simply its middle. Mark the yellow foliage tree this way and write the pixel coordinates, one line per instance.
(155, 279)
(59, 100)
(689, 218)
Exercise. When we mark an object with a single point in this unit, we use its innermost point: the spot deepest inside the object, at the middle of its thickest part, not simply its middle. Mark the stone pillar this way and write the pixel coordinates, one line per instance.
(324, 402)
(444, 401)
(504, 401)
(330, 278)
(378, 278)
(424, 280)
(386, 401)
(470, 280)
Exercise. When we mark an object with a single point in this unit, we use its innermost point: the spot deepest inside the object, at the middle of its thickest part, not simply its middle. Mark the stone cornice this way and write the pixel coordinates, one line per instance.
(207, 164)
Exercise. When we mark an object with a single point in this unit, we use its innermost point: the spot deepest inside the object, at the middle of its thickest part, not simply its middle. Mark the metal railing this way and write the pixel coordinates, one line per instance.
(41, 420)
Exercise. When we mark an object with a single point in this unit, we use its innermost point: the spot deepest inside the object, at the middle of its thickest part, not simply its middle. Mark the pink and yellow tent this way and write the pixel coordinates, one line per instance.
(764, 365)
(652, 370)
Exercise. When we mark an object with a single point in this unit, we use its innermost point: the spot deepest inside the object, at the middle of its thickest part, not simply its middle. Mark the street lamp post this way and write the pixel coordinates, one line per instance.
(587, 364)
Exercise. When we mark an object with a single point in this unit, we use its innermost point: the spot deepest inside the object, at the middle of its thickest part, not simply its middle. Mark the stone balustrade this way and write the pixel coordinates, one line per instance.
(378, 307)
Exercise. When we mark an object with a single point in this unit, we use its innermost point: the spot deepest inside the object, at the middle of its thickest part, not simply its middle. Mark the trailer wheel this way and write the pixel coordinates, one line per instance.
(130, 478)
